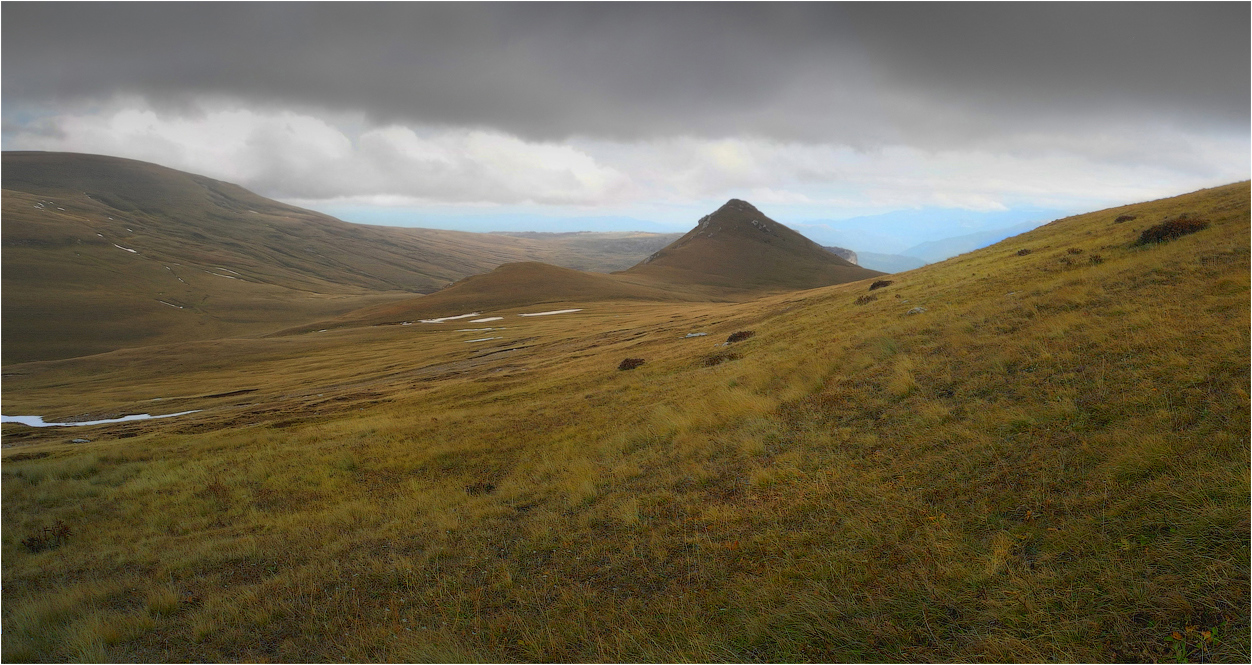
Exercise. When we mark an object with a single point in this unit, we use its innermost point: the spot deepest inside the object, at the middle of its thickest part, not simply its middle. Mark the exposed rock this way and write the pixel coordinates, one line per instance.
(843, 253)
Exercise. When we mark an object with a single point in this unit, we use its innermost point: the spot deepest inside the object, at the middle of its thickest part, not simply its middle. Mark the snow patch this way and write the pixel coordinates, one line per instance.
(490, 318)
(485, 339)
(170, 304)
(450, 318)
(694, 335)
(125, 248)
(556, 311)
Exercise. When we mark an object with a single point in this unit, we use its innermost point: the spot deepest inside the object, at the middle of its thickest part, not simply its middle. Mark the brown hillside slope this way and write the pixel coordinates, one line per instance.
(211, 259)
(738, 247)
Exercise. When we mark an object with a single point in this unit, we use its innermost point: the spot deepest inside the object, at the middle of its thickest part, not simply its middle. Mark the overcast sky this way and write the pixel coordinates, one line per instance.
(654, 111)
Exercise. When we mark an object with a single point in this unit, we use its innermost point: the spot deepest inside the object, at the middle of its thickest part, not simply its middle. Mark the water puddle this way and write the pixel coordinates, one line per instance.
(37, 421)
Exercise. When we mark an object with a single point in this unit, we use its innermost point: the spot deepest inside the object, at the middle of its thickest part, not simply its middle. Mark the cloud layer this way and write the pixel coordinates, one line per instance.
(850, 108)
(855, 74)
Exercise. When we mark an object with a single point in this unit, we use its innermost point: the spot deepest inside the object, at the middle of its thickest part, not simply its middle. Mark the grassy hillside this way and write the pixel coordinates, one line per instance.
(102, 253)
(1047, 460)
(738, 247)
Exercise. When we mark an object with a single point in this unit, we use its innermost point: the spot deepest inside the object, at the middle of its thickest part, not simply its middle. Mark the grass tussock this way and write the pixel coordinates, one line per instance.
(630, 363)
(1046, 465)
(1172, 228)
(719, 357)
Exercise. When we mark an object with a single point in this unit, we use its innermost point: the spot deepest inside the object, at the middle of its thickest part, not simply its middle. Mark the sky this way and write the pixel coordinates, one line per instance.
(602, 116)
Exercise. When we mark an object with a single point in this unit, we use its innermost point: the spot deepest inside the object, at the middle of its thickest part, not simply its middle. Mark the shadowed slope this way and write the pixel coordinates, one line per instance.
(737, 247)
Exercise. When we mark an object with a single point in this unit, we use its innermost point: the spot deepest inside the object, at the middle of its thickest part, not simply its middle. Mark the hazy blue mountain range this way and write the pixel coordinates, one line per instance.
(900, 231)
(938, 250)
(888, 262)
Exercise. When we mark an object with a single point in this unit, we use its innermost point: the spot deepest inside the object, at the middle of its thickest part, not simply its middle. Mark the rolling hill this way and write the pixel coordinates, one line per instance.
(737, 247)
(102, 253)
(1034, 452)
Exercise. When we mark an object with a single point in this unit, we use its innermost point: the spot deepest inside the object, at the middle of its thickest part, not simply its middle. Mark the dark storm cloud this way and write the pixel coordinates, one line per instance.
(881, 72)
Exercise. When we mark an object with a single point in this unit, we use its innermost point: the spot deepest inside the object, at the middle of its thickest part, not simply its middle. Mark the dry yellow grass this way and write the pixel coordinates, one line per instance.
(1049, 463)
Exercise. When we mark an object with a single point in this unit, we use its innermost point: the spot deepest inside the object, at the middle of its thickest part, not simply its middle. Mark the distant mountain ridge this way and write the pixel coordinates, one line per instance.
(891, 263)
(939, 250)
(910, 228)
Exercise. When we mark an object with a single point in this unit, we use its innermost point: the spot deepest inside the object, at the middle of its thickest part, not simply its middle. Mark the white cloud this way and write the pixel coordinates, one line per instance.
(286, 154)
(316, 157)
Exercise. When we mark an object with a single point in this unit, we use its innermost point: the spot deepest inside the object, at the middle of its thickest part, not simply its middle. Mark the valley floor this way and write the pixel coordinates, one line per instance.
(1012, 456)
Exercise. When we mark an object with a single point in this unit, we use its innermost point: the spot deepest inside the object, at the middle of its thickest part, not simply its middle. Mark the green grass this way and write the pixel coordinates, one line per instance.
(1049, 463)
